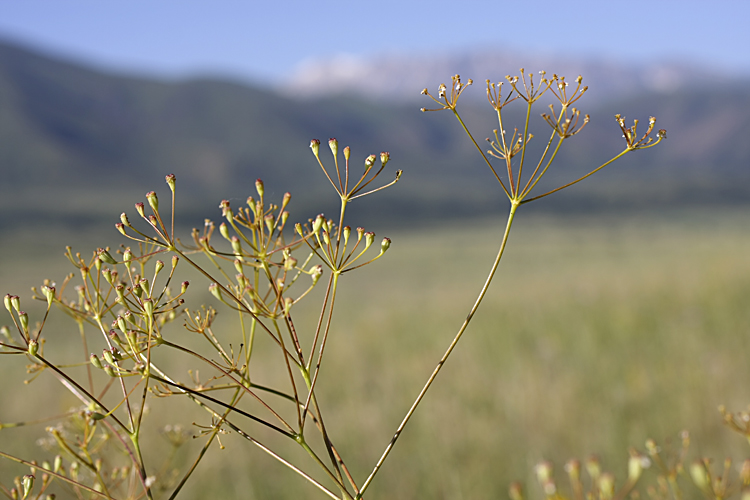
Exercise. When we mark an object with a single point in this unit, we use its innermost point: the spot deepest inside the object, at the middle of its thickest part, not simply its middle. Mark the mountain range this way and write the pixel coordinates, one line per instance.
(77, 143)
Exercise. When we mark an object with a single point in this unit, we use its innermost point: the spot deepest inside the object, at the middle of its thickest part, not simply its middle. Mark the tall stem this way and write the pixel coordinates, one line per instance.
(475, 307)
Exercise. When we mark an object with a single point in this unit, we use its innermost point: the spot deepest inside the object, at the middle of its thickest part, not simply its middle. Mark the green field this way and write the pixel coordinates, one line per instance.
(598, 333)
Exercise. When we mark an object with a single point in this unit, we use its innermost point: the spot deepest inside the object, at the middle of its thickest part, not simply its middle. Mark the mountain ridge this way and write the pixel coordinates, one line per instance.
(67, 128)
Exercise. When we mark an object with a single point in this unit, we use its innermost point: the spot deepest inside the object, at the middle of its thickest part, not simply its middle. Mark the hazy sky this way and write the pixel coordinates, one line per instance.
(266, 40)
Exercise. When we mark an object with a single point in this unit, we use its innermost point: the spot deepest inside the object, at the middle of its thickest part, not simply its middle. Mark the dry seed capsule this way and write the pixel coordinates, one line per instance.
(224, 231)
(315, 146)
(28, 484)
(171, 181)
(334, 145)
(104, 256)
(95, 361)
(33, 347)
(23, 318)
(215, 290)
(153, 201)
(385, 245)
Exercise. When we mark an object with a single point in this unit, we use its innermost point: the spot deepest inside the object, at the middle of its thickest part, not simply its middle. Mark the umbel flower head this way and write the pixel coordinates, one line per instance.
(565, 120)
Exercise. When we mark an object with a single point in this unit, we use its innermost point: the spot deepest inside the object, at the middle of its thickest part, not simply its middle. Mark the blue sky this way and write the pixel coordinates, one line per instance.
(266, 40)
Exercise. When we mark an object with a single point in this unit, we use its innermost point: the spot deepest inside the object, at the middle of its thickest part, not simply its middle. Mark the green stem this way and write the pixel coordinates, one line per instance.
(475, 307)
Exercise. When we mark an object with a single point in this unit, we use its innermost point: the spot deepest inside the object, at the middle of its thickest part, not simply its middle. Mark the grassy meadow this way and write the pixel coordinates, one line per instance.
(600, 331)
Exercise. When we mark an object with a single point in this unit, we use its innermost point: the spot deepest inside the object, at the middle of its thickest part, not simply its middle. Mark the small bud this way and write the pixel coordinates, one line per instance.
(33, 347)
(28, 485)
(259, 187)
(319, 220)
(369, 238)
(385, 245)
(745, 473)
(573, 468)
(268, 219)
(116, 339)
(334, 145)
(226, 210)
(315, 146)
(108, 357)
(49, 293)
(543, 472)
(607, 486)
(236, 245)
(124, 219)
(120, 291)
(139, 208)
(215, 290)
(121, 228)
(23, 318)
(184, 286)
(636, 463)
(107, 275)
(105, 257)
(285, 200)
(347, 153)
(127, 256)
(593, 467)
(109, 371)
(171, 181)
(120, 321)
(284, 218)
(241, 281)
(7, 301)
(385, 156)
(224, 231)
(95, 361)
(143, 284)
(346, 232)
(95, 415)
(57, 463)
(369, 162)
(317, 272)
(287, 305)
(16, 301)
(158, 267)
(153, 201)
(515, 492)
(148, 307)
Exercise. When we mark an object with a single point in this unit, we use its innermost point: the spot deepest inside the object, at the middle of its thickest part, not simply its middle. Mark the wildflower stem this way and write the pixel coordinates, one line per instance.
(580, 178)
(439, 366)
(53, 474)
(486, 160)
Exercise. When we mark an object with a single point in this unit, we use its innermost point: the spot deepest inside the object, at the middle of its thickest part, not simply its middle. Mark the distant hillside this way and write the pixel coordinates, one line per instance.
(400, 76)
(79, 143)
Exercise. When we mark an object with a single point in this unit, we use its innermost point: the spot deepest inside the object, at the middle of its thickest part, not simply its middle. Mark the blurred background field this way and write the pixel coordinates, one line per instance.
(600, 332)
(619, 313)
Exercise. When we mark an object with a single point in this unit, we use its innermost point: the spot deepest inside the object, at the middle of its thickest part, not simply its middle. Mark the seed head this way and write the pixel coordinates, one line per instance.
(315, 146)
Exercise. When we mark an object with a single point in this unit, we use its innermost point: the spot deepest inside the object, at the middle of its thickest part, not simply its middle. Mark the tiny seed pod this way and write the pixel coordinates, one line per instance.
(33, 347)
